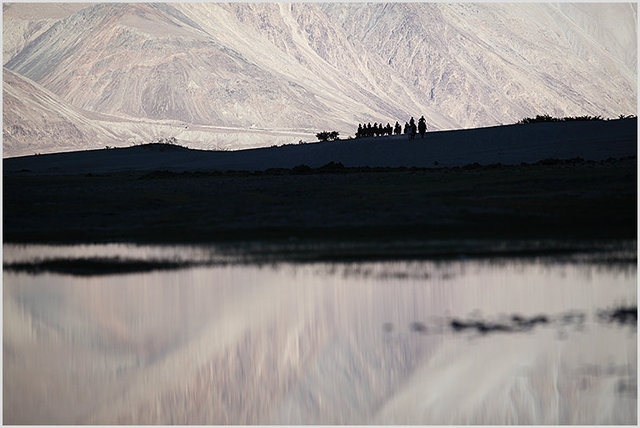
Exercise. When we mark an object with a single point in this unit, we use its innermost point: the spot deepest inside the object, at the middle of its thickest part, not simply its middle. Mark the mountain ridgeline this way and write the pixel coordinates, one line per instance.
(232, 75)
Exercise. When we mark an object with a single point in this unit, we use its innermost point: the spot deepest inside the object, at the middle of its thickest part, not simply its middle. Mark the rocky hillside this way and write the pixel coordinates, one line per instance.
(294, 69)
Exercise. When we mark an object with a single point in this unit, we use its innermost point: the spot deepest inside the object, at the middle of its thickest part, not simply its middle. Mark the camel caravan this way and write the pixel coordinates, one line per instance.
(410, 129)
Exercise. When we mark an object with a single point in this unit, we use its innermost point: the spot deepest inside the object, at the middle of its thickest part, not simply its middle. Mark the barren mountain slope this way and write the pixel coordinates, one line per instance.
(303, 67)
(496, 63)
(23, 23)
(152, 61)
(34, 117)
(36, 120)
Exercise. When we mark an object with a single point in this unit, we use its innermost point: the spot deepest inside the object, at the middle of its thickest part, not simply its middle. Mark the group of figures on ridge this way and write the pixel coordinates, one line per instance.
(410, 129)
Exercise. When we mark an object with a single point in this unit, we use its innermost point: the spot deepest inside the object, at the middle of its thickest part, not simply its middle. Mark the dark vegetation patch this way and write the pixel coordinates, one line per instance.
(623, 315)
(94, 266)
(480, 326)
(163, 145)
(516, 323)
(372, 251)
(339, 168)
(418, 327)
(548, 118)
(620, 315)
(522, 323)
(327, 135)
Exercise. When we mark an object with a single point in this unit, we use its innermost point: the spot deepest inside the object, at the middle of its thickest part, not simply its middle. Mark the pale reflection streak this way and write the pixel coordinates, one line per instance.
(308, 344)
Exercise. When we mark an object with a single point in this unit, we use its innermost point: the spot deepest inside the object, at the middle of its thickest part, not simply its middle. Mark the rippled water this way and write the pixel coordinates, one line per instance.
(216, 340)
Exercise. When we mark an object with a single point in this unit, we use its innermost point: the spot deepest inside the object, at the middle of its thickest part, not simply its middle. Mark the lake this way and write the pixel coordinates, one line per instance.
(133, 334)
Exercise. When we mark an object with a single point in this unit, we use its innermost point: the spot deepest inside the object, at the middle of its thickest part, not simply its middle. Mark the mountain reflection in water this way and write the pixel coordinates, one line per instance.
(226, 341)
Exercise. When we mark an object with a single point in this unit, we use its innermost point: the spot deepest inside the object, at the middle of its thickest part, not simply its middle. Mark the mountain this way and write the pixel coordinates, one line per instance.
(290, 70)
(49, 118)
(35, 120)
(24, 23)
(485, 63)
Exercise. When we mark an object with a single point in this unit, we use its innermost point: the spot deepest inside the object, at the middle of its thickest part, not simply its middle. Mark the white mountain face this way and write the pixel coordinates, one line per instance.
(23, 24)
(484, 63)
(34, 118)
(233, 75)
(38, 121)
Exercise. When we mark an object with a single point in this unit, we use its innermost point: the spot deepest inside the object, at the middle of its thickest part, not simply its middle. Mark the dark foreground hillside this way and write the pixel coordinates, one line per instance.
(549, 199)
(508, 145)
(556, 180)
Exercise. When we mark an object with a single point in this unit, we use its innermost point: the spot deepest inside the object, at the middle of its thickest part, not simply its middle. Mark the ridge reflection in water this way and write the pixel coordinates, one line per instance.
(330, 343)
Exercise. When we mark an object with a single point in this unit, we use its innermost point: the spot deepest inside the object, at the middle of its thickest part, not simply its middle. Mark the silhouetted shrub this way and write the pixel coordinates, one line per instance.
(582, 118)
(539, 118)
(547, 118)
(620, 315)
(169, 141)
(322, 136)
(326, 135)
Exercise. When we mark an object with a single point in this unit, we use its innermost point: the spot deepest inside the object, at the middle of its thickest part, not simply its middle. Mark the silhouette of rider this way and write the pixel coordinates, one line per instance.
(422, 126)
(412, 126)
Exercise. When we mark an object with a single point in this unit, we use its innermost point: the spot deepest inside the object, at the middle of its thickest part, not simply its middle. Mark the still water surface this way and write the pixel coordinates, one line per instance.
(219, 342)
